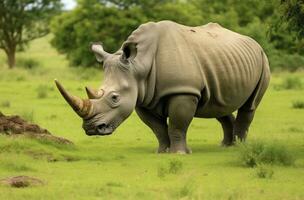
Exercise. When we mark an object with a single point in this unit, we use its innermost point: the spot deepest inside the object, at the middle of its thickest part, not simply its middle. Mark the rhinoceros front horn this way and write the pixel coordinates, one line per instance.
(82, 107)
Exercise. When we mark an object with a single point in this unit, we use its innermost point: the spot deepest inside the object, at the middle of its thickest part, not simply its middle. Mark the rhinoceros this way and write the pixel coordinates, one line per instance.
(168, 70)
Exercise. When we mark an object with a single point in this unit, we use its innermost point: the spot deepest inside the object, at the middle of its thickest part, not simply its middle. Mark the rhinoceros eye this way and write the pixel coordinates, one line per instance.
(115, 98)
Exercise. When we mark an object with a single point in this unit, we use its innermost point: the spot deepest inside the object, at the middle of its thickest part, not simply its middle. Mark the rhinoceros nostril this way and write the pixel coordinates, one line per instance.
(101, 127)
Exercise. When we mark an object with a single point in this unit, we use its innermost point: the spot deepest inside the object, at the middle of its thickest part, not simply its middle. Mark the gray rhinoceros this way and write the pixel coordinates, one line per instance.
(167, 70)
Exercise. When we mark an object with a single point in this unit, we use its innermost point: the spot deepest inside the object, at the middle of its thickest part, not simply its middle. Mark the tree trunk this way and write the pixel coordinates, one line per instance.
(11, 59)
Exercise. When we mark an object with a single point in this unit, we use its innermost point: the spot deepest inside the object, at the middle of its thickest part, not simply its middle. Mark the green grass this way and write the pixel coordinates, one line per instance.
(124, 165)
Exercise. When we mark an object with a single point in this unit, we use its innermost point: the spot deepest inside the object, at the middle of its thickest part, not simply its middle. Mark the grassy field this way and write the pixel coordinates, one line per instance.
(124, 165)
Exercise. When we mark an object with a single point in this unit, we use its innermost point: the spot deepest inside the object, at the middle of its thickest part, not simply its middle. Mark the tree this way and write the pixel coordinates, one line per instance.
(293, 13)
(92, 21)
(284, 50)
(111, 22)
(22, 21)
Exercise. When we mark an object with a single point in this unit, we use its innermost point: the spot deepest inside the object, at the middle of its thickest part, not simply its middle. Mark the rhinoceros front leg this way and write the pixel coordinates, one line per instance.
(159, 127)
(181, 110)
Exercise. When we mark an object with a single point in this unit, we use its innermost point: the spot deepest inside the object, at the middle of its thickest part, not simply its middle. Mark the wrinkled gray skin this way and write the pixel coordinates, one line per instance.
(118, 100)
(167, 70)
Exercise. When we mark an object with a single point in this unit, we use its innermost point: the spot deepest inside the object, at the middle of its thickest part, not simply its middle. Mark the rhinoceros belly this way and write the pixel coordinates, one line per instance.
(213, 104)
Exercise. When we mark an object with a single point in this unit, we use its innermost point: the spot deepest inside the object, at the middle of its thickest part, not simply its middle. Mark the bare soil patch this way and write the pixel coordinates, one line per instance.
(21, 181)
(14, 125)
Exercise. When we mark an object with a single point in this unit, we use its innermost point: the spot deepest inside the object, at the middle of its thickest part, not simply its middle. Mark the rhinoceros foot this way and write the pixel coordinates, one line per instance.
(227, 143)
(185, 150)
(163, 149)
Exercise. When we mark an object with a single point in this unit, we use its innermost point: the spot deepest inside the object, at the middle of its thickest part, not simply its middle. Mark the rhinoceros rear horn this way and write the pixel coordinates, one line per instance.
(82, 107)
(93, 94)
(99, 52)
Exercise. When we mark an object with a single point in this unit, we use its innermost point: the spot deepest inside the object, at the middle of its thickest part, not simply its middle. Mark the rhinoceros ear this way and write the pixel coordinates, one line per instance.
(129, 52)
(99, 52)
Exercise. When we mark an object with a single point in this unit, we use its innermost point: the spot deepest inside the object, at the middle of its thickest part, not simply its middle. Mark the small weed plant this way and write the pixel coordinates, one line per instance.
(298, 104)
(290, 83)
(264, 171)
(28, 115)
(42, 91)
(27, 63)
(257, 152)
(5, 104)
(186, 190)
(174, 166)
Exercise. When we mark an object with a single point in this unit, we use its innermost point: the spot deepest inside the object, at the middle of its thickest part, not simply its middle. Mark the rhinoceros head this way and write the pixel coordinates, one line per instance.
(107, 107)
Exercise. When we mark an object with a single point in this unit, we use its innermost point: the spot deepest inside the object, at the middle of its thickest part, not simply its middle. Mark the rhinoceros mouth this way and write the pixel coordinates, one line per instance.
(101, 130)
(95, 133)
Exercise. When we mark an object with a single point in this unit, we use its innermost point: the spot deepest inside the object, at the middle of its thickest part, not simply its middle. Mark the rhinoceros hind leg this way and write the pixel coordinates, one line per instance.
(246, 112)
(227, 123)
(181, 110)
(242, 123)
(159, 127)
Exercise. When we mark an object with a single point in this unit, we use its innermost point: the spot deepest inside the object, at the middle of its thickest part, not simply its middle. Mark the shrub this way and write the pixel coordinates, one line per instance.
(264, 171)
(276, 154)
(5, 104)
(74, 30)
(42, 91)
(291, 83)
(285, 61)
(27, 63)
(298, 104)
(20, 78)
(257, 152)
(250, 153)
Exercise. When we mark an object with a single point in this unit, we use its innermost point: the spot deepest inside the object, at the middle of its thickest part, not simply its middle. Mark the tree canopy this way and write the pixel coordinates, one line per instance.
(22, 21)
(112, 21)
(293, 13)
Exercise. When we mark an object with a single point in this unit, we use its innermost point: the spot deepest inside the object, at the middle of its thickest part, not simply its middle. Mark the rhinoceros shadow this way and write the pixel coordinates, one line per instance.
(196, 149)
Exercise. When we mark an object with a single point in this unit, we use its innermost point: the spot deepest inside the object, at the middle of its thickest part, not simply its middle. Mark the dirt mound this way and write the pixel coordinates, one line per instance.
(21, 181)
(16, 126)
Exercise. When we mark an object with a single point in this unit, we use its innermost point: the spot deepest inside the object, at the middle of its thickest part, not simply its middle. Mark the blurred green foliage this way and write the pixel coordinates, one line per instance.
(112, 21)
(293, 13)
(27, 63)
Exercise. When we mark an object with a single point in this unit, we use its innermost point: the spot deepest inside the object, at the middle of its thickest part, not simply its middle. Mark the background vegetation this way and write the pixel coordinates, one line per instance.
(111, 21)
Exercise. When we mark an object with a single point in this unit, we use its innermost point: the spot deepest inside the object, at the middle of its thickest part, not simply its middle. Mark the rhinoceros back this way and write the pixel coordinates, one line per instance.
(221, 67)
